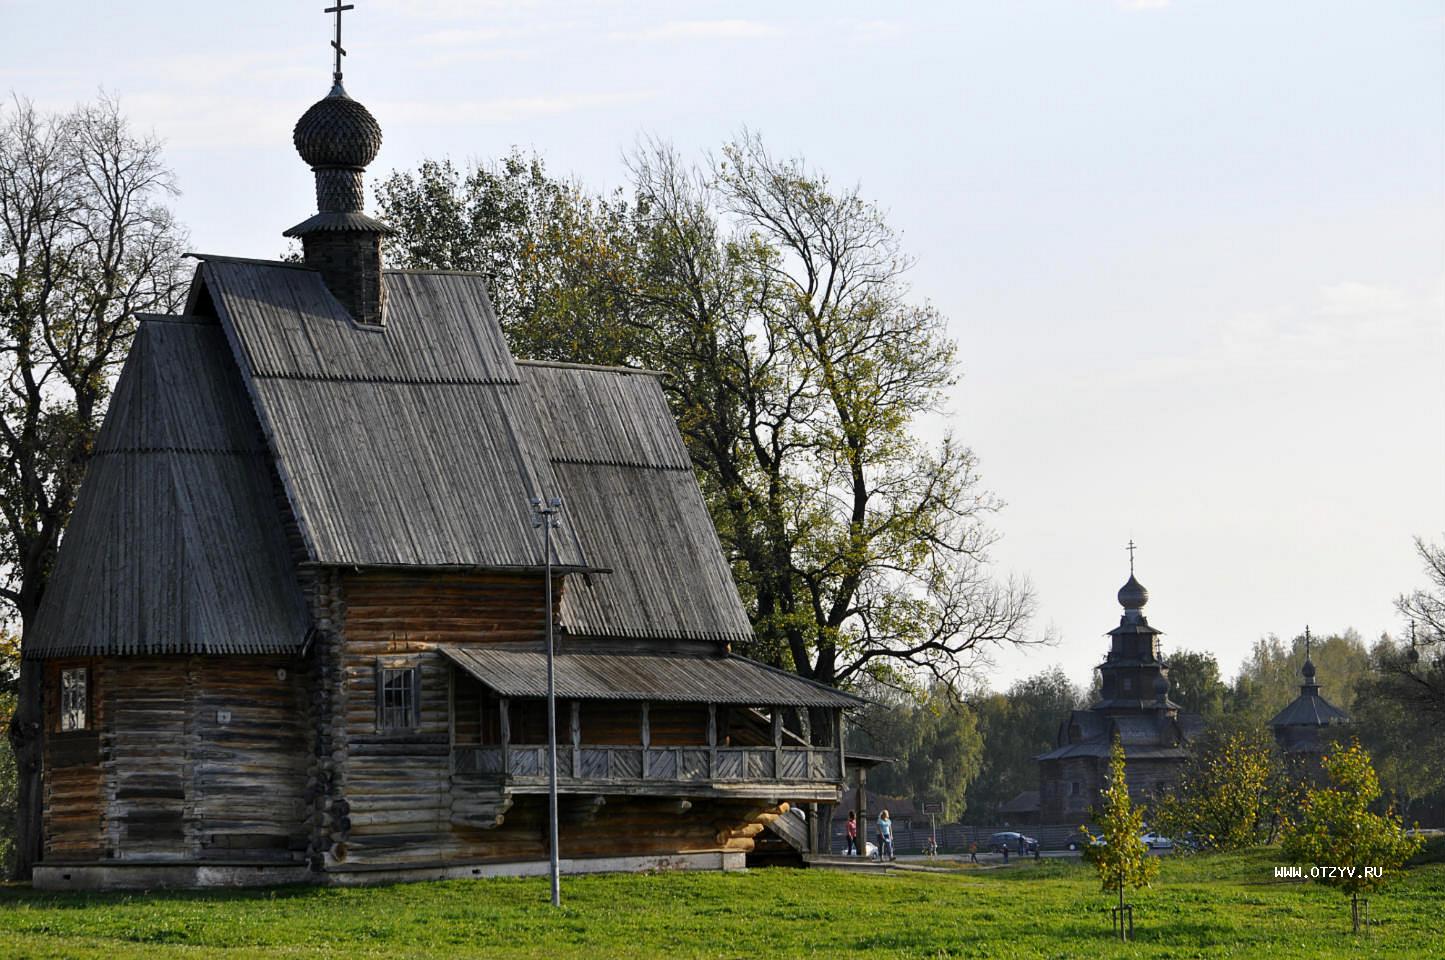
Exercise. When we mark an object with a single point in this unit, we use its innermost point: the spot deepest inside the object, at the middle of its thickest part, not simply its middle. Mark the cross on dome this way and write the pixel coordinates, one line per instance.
(336, 44)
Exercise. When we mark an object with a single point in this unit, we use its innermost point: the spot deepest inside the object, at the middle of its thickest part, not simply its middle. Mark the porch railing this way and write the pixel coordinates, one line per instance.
(681, 764)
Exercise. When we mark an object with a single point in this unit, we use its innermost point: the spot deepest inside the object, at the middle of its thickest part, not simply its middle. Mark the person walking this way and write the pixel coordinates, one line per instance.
(850, 835)
(973, 851)
(885, 837)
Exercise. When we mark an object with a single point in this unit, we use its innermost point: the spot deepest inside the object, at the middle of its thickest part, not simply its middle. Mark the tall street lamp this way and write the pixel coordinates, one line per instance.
(548, 517)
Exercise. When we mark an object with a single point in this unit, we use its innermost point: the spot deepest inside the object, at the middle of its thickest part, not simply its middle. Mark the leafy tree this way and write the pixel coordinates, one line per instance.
(1394, 721)
(935, 744)
(798, 365)
(555, 257)
(1227, 794)
(1122, 859)
(1337, 829)
(1017, 726)
(1270, 678)
(1195, 685)
(85, 243)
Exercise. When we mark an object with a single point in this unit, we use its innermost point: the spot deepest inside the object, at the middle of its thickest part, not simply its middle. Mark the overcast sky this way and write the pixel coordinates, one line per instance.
(1193, 252)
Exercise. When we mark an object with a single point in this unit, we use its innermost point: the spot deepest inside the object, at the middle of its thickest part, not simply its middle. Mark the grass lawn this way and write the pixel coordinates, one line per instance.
(1222, 906)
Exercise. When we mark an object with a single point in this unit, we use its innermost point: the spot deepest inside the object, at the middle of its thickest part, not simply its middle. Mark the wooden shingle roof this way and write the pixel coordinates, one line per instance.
(629, 492)
(411, 444)
(678, 679)
(176, 544)
(416, 444)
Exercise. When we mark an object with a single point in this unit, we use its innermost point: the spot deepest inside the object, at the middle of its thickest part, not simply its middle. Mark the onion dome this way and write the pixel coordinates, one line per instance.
(1309, 670)
(1132, 595)
(337, 132)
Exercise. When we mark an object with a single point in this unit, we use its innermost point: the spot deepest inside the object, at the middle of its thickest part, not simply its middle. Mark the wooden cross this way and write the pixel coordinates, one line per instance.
(336, 44)
(1307, 641)
(1131, 557)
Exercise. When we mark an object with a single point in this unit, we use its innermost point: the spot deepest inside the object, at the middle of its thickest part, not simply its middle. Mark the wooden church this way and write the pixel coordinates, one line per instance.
(296, 627)
(1134, 709)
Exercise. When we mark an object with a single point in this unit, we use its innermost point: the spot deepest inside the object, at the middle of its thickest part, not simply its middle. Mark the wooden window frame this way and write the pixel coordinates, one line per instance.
(63, 710)
(385, 667)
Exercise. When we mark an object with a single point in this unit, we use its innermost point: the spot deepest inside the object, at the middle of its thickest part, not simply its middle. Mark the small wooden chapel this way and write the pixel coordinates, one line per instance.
(296, 627)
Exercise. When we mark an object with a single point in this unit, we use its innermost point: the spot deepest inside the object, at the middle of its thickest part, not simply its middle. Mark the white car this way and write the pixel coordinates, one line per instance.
(1153, 841)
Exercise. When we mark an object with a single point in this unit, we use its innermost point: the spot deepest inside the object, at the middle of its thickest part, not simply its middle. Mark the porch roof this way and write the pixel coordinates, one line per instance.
(727, 679)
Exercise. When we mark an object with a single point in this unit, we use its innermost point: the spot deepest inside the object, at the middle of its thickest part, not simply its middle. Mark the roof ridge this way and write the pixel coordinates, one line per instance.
(284, 264)
(185, 319)
(425, 271)
(592, 367)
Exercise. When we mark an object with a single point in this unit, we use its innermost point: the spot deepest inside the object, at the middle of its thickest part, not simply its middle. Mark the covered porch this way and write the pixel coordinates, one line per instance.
(641, 724)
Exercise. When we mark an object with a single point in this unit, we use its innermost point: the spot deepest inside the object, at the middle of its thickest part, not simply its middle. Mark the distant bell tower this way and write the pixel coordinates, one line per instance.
(1134, 678)
(338, 137)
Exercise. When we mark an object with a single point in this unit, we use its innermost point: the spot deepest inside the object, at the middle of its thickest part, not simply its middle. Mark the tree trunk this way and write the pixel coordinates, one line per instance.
(25, 740)
(1122, 934)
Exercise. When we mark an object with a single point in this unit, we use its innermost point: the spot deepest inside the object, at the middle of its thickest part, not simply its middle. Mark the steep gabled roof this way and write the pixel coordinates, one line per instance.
(628, 490)
(411, 444)
(176, 543)
(417, 444)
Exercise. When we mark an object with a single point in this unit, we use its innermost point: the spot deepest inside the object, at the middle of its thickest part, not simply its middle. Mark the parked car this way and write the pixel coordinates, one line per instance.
(1012, 841)
(1153, 841)
(1081, 839)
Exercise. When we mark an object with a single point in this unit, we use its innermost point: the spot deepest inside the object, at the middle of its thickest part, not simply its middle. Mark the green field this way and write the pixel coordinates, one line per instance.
(1223, 906)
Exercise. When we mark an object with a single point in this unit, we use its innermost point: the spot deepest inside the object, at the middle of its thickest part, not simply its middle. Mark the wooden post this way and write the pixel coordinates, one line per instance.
(451, 719)
(506, 719)
(777, 744)
(711, 741)
(646, 735)
(576, 738)
(842, 752)
(863, 812)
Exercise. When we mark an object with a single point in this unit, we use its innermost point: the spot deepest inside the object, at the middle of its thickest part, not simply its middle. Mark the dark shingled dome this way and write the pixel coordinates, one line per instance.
(337, 132)
(1132, 595)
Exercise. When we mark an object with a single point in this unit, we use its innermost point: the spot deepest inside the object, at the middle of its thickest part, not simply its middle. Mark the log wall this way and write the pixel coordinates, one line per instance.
(184, 758)
(396, 799)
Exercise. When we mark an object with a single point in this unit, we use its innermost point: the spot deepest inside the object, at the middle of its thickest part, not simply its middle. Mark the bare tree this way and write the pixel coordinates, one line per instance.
(86, 242)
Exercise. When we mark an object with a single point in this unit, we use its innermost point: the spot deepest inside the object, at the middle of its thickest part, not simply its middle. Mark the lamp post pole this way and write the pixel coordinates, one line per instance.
(548, 517)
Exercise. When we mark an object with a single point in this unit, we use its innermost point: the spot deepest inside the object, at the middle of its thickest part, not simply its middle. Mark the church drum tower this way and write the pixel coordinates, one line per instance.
(1134, 707)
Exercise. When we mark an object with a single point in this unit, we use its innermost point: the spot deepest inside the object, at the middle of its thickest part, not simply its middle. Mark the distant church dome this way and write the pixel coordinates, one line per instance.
(337, 132)
(1132, 595)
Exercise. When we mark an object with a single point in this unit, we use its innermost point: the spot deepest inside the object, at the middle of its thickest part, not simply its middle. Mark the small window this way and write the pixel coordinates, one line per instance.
(1128, 684)
(397, 697)
(1074, 788)
(74, 690)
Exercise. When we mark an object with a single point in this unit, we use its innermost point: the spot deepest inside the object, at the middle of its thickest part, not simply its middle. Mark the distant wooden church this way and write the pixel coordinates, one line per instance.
(1303, 730)
(1135, 708)
(295, 631)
